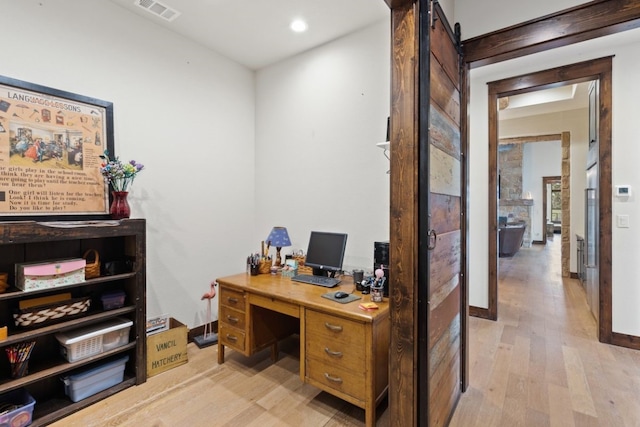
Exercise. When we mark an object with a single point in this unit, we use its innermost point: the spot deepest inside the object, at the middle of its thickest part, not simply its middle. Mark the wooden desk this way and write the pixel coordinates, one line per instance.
(343, 349)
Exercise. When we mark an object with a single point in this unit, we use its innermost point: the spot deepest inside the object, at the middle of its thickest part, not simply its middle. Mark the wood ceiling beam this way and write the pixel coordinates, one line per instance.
(584, 22)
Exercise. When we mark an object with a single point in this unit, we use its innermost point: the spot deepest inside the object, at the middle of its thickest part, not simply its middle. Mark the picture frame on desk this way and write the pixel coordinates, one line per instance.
(50, 143)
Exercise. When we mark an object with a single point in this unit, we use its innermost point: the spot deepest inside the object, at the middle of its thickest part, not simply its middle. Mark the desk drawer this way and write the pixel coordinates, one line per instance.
(275, 305)
(335, 329)
(232, 298)
(335, 354)
(335, 377)
(232, 337)
(232, 317)
(334, 340)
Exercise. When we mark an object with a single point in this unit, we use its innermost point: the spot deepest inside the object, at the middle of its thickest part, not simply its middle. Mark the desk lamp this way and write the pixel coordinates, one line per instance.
(278, 238)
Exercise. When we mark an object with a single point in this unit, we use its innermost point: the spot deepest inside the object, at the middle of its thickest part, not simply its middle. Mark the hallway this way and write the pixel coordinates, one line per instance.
(541, 364)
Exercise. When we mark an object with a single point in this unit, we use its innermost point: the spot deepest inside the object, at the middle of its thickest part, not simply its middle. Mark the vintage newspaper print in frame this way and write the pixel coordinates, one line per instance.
(50, 143)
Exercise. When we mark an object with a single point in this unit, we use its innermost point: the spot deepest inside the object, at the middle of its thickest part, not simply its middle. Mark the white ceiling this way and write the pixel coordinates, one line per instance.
(554, 100)
(256, 33)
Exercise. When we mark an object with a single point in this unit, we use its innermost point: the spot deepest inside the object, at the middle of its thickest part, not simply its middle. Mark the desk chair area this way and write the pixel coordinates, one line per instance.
(343, 349)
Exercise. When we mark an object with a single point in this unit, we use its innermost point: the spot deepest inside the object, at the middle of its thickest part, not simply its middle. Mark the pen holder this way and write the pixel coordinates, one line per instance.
(254, 269)
(19, 369)
(265, 266)
(18, 355)
(377, 288)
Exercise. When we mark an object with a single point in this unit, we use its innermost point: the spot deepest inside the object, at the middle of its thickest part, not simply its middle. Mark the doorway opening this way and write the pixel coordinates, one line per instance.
(551, 207)
(600, 70)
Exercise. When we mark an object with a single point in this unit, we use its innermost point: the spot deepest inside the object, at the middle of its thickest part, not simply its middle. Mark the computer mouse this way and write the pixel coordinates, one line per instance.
(340, 295)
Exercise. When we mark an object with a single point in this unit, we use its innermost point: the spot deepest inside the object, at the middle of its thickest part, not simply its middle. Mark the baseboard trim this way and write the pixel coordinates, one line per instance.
(623, 340)
(199, 330)
(482, 313)
(538, 242)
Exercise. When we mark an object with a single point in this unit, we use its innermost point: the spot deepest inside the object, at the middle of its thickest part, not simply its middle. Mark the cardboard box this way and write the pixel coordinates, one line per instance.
(50, 274)
(167, 349)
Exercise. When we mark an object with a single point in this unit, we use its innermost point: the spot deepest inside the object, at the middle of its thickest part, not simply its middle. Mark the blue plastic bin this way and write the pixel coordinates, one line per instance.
(86, 383)
(20, 417)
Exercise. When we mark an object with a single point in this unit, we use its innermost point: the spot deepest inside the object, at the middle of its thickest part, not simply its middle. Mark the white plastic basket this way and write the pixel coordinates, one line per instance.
(94, 339)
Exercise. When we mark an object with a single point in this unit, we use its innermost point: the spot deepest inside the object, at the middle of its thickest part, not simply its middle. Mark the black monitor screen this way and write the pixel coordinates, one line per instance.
(325, 252)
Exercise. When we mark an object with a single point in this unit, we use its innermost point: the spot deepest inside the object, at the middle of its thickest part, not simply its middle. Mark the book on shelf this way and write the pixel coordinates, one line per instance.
(157, 324)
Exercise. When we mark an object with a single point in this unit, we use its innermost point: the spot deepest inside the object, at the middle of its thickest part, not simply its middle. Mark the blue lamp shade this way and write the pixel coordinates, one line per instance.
(278, 237)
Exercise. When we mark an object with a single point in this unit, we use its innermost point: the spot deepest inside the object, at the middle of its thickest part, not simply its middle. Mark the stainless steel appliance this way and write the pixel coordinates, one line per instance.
(591, 232)
(591, 200)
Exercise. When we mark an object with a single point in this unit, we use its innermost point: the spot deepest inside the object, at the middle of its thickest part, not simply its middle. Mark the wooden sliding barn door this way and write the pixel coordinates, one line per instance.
(428, 302)
(440, 225)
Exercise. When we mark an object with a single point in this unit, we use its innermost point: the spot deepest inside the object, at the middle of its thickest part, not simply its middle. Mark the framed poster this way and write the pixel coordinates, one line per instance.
(50, 143)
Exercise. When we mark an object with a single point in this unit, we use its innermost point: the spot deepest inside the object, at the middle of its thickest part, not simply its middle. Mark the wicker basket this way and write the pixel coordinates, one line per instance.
(264, 267)
(51, 313)
(305, 270)
(302, 269)
(92, 270)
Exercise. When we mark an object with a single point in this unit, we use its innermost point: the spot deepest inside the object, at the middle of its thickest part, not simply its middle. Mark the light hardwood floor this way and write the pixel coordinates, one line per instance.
(540, 364)
(241, 392)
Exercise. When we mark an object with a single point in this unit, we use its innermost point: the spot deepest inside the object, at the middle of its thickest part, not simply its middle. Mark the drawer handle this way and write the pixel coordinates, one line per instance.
(232, 319)
(232, 338)
(333, 379)
(332, 353)
(232, 300)
(335, 328)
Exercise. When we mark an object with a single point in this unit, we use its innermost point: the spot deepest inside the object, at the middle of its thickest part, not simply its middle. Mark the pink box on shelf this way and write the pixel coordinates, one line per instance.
(50, 274)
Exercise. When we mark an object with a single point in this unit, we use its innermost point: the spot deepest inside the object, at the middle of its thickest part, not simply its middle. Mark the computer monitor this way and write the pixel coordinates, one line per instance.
(326, 252)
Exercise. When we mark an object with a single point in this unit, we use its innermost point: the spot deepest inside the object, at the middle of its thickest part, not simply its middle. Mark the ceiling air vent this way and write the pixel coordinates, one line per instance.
(158, 9)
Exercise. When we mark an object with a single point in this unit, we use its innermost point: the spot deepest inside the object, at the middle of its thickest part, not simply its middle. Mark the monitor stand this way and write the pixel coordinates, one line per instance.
(323, 273)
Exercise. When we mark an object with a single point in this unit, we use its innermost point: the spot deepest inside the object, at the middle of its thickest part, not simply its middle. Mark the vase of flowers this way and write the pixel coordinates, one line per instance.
(119, 176)
(120, 208)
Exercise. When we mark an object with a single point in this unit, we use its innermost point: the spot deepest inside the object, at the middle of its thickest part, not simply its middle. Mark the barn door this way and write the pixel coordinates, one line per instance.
(427, 292)
(440, 279)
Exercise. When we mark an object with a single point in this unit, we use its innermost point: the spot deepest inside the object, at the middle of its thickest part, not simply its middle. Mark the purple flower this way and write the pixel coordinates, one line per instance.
(117, 174)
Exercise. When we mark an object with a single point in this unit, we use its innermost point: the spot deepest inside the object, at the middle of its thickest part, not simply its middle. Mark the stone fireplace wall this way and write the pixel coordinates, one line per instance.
(511, 203)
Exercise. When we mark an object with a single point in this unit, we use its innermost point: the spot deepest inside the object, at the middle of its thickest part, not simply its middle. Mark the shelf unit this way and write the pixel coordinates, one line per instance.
(28, 241)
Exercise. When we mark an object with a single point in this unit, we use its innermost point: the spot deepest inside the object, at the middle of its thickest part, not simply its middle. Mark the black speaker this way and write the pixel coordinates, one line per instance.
(381, 260)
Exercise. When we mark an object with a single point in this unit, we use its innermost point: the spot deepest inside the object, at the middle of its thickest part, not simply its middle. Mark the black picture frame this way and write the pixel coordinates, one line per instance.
(50, 143)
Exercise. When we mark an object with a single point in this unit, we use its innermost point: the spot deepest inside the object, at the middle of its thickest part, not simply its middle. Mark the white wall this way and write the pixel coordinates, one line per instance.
(625, 158)
(539, 159)
(185, 112)
(320, 115)
(480, 17)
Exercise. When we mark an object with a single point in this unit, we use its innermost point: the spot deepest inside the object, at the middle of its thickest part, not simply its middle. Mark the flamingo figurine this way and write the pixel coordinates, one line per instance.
(208, 337)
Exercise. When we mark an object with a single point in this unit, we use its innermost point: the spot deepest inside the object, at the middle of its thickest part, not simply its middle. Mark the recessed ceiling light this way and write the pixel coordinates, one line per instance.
(298, 25)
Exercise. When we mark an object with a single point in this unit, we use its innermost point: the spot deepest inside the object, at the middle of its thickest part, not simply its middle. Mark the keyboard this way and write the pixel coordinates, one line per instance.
(327, 282)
